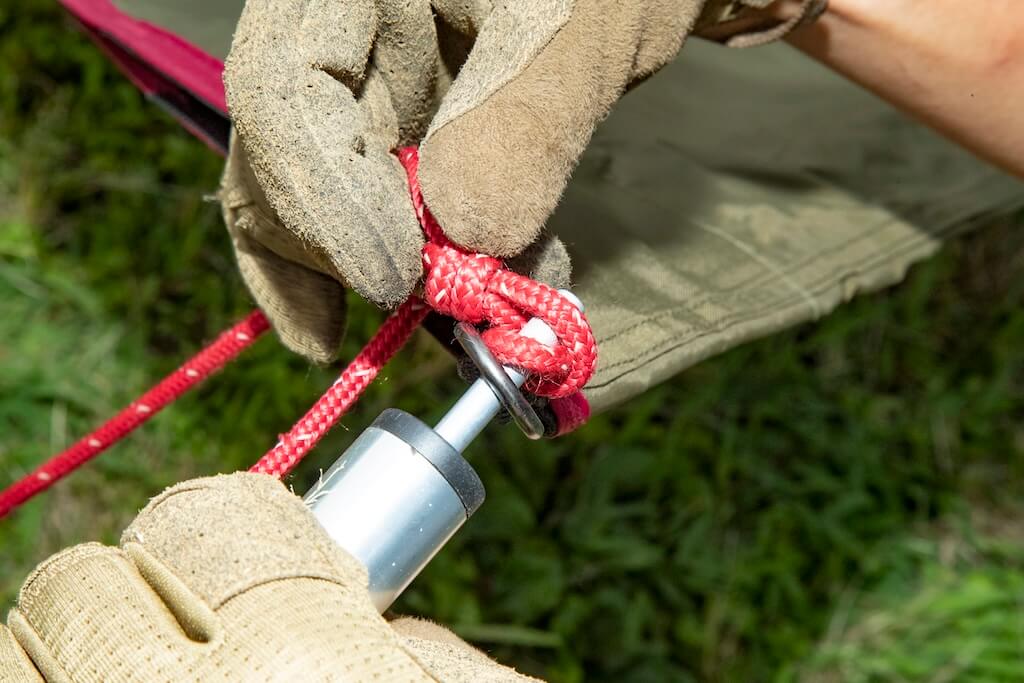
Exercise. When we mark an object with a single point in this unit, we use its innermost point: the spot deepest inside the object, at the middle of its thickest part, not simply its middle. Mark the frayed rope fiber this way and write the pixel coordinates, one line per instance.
(469, 287)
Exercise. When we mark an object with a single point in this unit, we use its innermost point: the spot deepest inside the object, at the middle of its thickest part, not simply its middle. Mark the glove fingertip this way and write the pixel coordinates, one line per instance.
(382, 269)
(306, 308)
(319, 344)
(486, 197)
(242, 485)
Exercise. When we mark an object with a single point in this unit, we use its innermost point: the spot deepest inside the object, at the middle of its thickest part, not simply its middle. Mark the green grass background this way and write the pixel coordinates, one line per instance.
(838, 503)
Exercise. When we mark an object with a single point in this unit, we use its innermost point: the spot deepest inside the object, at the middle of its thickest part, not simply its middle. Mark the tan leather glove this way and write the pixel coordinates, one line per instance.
(227, 578)
(503, 97)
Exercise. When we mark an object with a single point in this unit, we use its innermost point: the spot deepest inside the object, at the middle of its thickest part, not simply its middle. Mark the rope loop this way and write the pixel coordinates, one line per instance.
(477, 289)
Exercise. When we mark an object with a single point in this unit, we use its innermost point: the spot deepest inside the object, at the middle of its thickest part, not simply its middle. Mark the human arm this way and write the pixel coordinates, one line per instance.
(956, 65)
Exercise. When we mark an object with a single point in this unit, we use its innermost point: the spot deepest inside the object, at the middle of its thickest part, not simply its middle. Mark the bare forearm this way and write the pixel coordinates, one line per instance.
(957, 65)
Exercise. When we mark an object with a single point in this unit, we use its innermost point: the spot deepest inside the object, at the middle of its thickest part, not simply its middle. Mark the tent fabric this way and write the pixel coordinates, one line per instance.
(174, 71)
(735, 195)
(732, 195)
(178, 59)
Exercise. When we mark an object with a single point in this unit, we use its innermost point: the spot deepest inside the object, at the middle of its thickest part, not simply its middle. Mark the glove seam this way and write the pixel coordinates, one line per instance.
(38, 652)
(61, 562)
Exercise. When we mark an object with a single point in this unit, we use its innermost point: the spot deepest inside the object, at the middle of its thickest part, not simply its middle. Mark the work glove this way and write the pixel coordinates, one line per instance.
(227, 578)
(502, 98)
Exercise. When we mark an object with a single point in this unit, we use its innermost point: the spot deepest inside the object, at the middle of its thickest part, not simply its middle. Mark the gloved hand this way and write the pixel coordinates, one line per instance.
(502, 97)
(227, 578)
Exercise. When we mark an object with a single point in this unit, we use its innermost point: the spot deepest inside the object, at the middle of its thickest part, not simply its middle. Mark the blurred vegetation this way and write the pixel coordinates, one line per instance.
(837, 503)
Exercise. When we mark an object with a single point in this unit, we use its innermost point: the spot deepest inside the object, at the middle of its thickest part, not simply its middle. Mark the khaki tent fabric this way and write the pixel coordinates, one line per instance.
(732, 195)
(740, 192)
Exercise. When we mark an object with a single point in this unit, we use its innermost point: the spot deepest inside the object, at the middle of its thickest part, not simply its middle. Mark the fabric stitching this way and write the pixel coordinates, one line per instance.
(739, 318)
(781, 274)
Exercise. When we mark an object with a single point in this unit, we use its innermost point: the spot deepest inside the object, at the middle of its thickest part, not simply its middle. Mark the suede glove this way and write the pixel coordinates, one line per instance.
(227, 578)
(501, 96)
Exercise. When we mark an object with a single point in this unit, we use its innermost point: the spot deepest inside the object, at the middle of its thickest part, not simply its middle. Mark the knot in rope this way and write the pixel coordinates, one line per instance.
(476, 288)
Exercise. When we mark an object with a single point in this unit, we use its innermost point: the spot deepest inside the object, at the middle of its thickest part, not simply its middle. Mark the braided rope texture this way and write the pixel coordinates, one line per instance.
(475, 288)
(211, 359)
(345, 391)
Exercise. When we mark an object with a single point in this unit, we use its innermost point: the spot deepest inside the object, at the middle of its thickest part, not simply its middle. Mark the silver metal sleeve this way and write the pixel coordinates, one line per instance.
(393, 499)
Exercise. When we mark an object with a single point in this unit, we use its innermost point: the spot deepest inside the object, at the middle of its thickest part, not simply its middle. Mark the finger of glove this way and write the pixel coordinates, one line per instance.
(225, 535)
(546, 260)
(318, 127)
(446, 657)
(82, 614)
(509, 131)
(666, 25)
(242, 200)
(15, 666)
(407, 57)
(95, 613)
(292, 604)
(306, 308)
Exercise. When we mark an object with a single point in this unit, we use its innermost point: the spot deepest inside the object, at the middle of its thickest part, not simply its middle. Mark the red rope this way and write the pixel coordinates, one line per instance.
(226, 347)
(466, 286)
(299, 441)
(475, 288)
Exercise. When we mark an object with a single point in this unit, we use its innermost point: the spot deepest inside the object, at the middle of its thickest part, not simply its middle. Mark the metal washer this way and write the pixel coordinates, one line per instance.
(498, 380)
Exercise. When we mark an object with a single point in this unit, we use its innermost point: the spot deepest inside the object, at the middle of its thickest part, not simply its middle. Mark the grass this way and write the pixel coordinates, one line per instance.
(837, 503)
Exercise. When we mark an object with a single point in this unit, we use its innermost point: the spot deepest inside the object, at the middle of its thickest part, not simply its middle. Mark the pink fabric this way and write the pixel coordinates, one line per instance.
(571, 412)
(177, 59)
